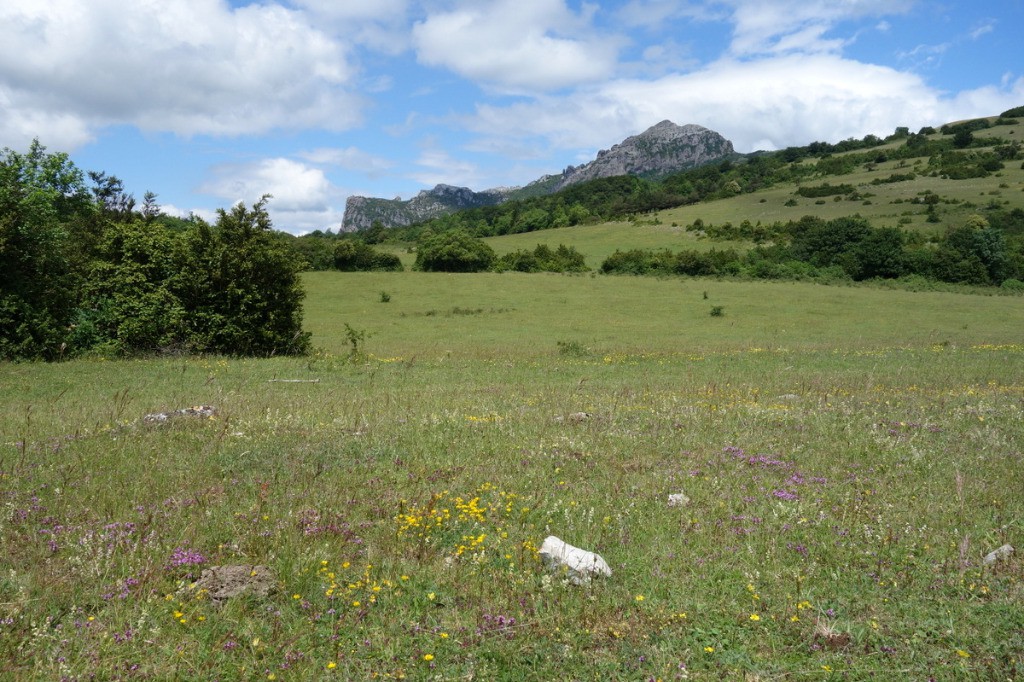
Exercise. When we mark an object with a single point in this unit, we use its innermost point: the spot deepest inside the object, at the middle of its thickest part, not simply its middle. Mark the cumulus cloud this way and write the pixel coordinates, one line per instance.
(294, 185)
(187, 66)
(767, 103)
(516, 45)
(303, 198)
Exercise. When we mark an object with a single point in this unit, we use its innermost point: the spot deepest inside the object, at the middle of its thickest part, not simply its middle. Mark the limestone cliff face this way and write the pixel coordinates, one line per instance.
(659, 151)
(362, 212)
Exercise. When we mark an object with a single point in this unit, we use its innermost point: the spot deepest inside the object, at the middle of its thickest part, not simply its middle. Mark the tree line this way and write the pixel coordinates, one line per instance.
(83, 269)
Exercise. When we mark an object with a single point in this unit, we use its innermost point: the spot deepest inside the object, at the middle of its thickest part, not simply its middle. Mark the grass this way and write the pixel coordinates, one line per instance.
(850, 455)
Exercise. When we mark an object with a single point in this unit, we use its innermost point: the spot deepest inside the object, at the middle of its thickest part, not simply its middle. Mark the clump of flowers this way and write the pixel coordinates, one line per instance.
(471, 528)
(182, 559)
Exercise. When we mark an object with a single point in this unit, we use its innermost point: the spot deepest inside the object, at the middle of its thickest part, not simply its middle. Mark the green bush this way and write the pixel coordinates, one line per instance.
(355, 256)
(454, 251)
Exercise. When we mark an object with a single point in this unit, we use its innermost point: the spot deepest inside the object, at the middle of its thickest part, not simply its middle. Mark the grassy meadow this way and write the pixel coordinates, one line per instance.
(850, 455)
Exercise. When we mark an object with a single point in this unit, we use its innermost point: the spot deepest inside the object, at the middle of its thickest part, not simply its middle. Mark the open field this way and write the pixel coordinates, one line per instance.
(850, 454)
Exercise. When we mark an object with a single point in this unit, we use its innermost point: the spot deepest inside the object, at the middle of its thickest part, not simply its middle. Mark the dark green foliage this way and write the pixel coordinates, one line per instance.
(454, 251)
(355, 256)
(963, 138)
(824, 190)
(543, 259)
(129, 305)
(43, 204)
(1010, 113)
(664, 262)
(895, 177)
(240, 287)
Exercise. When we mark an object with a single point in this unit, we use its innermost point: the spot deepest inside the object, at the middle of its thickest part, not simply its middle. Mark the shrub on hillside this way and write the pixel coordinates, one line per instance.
(543, 259)
(354, 256)
(454, 251)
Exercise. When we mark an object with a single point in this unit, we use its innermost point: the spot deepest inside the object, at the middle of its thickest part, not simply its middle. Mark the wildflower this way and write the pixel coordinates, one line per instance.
(296, 596)
(355, 603)
(963, 654)
(709, 649)
(332, 665)
(428, 657)
(754, 617)
(639, 597)
(431, 596)
(444, 635)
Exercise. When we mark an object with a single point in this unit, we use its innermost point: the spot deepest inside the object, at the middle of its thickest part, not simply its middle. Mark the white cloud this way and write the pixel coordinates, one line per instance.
(349, 158)
(303, 199)
(516, 45)
(983, 28)
(436, 166)
(294, 186)
(780, 26)
(68, 68)
(777, 102)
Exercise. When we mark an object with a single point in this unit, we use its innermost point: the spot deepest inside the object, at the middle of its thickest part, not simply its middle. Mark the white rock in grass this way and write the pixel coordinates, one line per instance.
(999, 553)
(579, 564)
(678, 500)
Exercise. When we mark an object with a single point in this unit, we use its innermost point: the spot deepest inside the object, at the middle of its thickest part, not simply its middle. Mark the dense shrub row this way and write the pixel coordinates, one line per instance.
(848, 248)
(82, 271)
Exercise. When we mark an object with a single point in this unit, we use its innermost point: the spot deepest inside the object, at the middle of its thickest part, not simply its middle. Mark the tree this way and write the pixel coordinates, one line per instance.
(454, 251)
(43, 201)
(240, 287)
(129, 306)
(354, 256)
(963, 138)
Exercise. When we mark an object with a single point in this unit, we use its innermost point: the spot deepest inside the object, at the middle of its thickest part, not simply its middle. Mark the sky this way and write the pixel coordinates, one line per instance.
(212, 102)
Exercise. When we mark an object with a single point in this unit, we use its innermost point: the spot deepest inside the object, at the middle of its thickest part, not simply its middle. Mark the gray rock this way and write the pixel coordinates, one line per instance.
(678, 500)
(199, 411)
(225, 582)
(579, 565)
(658, 151)
(998, 554)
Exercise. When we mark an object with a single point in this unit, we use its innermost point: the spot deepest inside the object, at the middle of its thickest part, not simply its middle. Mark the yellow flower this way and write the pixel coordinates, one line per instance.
(639, 597)
(296, 596)
(428, 657)
(431, 596)
(355, 603)
(754, 617)
(444, 635)
(963, 654)
(709, 649)
(332, 665)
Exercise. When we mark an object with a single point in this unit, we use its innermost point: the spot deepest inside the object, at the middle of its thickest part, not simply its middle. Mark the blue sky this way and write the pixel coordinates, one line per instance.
(209, 102)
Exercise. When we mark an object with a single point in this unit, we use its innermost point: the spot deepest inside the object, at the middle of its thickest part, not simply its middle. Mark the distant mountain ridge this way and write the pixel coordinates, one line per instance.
(658, 151)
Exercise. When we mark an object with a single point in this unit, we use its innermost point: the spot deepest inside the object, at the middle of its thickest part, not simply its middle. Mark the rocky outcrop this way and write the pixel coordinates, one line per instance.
(658, 151)
(362, 212)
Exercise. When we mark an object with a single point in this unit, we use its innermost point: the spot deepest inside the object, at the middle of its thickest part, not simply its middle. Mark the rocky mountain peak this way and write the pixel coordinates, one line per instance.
(660, 150)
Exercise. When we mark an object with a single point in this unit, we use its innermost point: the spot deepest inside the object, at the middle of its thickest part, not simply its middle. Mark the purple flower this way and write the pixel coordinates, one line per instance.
(183, 556)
